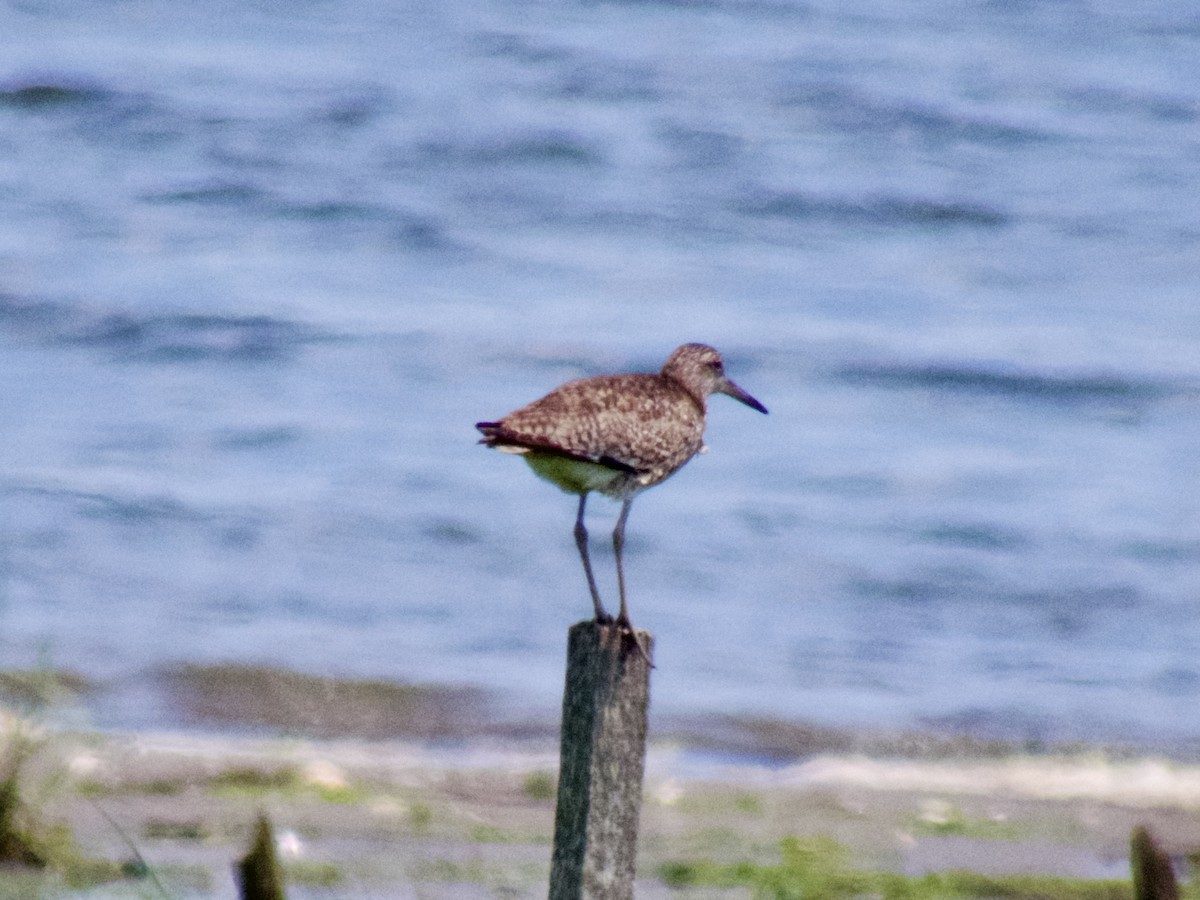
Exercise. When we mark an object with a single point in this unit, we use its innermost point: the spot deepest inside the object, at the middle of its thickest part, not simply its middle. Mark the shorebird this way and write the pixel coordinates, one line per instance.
(617, 434)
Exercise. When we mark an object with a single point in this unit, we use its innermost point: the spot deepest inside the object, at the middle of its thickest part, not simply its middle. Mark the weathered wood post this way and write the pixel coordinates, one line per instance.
(603, 758)
(259, 876)
(1153, 877)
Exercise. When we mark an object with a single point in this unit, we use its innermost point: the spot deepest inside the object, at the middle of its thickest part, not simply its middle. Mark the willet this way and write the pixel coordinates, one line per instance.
(617, 434)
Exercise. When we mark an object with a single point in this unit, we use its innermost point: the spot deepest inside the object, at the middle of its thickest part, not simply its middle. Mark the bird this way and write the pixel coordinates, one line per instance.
(618, 435)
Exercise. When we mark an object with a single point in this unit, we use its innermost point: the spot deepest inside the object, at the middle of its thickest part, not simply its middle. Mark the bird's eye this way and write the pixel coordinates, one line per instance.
(716, 365)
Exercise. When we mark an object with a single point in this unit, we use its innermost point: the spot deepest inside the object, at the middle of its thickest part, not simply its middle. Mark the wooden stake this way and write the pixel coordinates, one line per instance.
(1153, 877)
(258, 872)
(603, 759)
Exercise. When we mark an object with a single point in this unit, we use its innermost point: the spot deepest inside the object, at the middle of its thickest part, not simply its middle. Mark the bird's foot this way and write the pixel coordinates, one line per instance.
(627, 629)
(603, 618)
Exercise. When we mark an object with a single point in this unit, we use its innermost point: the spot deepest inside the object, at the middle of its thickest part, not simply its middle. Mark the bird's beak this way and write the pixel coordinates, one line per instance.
(732, 390)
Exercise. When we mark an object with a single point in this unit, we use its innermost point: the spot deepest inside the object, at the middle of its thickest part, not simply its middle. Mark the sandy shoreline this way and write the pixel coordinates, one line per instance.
(474, 818)
(428, 792)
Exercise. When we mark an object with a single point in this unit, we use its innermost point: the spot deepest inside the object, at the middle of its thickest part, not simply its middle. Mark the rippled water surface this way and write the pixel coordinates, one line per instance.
(262, 267)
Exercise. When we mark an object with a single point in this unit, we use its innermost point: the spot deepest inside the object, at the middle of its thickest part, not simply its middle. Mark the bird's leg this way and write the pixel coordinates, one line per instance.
(618, 546)
(581, 541)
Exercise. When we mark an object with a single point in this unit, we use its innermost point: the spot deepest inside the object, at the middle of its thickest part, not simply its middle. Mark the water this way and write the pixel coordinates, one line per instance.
(262, 267)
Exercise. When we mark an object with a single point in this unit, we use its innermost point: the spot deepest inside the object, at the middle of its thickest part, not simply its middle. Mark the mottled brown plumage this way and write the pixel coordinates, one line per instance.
(617, 434)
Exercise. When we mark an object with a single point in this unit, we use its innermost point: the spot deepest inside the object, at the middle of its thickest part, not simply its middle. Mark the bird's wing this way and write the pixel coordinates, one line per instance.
(634, 423)
(496, 434)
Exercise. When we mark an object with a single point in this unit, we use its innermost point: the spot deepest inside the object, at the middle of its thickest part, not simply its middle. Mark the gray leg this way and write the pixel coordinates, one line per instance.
(581, 541)
(618, 546)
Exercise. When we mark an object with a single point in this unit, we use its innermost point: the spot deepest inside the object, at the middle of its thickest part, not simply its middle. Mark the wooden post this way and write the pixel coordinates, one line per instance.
(603, 759)
(258, 872)
(1153, 877)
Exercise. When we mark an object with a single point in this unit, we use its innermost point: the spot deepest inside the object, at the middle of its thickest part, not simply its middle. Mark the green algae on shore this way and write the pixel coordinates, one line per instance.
(820, 867)
(465, 818)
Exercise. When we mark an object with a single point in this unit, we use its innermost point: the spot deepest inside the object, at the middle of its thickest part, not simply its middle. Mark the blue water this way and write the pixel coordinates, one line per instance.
(262, 266)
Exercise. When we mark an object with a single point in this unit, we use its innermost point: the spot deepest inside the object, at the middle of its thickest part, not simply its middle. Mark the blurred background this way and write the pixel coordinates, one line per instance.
(263, 265)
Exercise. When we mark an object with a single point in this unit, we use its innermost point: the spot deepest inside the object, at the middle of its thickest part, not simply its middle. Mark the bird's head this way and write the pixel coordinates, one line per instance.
(700, 369)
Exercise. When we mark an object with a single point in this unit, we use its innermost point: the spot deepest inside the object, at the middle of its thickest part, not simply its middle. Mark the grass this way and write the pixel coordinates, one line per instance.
(540, 786)
(161, 830)
(29, 691)
(494, 834)
(740, 804)
(819, 867)
(29, 845)
(312, 874)
(18, 844)
(162, 787)
(252, 783)
(28, 842)
(944, 820)
(420, 817)
(748, 804)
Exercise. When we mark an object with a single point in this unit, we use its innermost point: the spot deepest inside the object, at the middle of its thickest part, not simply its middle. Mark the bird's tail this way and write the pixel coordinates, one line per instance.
(491, 432)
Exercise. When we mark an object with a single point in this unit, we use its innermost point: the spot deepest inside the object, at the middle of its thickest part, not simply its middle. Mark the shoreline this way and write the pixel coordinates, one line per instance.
(1086, 775)
(414, 818)
(461, 805)
(255, 700)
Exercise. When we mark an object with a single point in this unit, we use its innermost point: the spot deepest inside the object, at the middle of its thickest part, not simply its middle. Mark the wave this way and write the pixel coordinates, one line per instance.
(878, 210)
(532, 147)
(50, 95)
(176, 338)
(93, 503)
(170, 337)
(1049, 386)
(96, 109)
(414, 230)
(847, 110)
